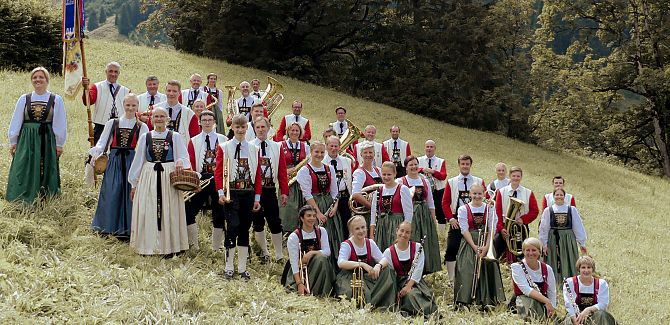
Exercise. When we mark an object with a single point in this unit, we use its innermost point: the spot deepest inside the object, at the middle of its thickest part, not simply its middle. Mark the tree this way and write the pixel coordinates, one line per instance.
(92, 21)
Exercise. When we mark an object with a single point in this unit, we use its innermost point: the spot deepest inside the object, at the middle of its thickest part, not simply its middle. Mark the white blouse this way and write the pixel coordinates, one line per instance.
(359, 179)
(405, 199)
(519, 278)
(305, 180)
(404, 256)
(179, 152)
(58, 124)
(419, 182)
(124, 123)
(577, 225)
(293, 246)
(345, 251)
(463, 216)
(603, 294)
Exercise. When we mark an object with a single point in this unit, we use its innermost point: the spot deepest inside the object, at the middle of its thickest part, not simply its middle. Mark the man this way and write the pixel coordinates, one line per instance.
(188, 96)
(107, 98)
(294, 118)
(256, 112)
(182, 118)
(340, 125)
(240, 160)
(435, 170)
(558, 182)
(244, 103)
(273, 177)
(215, 94)
(150, 98)
(398, 150)
(381, 155)
(202, 153)
(501, 178)
(255, 86)
(343, 171)
(457, 194)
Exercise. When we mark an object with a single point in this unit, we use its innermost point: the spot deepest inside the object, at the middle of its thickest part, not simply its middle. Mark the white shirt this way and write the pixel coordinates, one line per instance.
(124, 123)
(343, 164)
(58, 124)
(180, 153)
(405, 199)
(359, 177)
(145, 99)
(463, 216)
(519, 278)
(336, 126)
(577, 225)
(404, 256)
(251, 133)
(305, 180)
(345, 251)
(293, 246)
(419, 182)
(603, 294)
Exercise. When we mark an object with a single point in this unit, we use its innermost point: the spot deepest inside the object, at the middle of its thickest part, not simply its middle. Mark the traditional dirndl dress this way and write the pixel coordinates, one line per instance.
(389, 216)
(289, 213)
(319, 269)
(585, 300)
(159, 218)
(420, 299)
(423, 225)
(562, 245)
(321, 194)
(114, 212)
(34, 170)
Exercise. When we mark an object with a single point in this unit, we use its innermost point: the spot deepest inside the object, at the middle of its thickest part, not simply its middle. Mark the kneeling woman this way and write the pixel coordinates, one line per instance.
(310, 242)
(407, 259)
(534, 285)
(394, 205)
(589, 294)
(159, 219)
(476, 219)
(358, 251)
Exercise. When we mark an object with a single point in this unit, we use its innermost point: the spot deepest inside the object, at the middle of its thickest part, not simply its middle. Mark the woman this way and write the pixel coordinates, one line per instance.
(393, 205)
(318, 184)
(423, 219)
(534, 285)
(357, 251)
(37, 134)
(414, 295)
(590, 294)
(294, 151)
(561, 229)
(159, 219)
(198, 107)
(475, 219)
(365, 175)
(312, 241)
(120, 135)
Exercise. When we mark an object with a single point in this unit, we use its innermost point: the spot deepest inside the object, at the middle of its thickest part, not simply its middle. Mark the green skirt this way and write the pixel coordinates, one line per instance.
(289, 214)
(220, 119)
(423, 225)
(600, 317)
(419, 300)
(490, 291)
(563, 266)
(321, 276)
(379, 293)
(530, 309)
(333, 226)
(32, 174)
(386, 228)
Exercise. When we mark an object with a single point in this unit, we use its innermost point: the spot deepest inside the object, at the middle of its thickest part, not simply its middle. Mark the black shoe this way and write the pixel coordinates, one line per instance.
(265, 259)
(245, 276)
(228, 275)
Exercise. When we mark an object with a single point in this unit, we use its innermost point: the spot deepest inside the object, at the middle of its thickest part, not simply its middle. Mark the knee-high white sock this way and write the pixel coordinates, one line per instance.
(262, 241)
(451, 269)
(277, 242)
(192, 231)
(217, 238)
(230, 259)
(242, 255)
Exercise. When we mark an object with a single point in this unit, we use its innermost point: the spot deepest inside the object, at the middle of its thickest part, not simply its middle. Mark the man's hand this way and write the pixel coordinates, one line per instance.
(85, 82)
(454, 223)
(257, 206)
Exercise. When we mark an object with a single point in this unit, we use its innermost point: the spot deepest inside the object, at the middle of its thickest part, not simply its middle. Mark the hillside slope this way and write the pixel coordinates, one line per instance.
(52, 268)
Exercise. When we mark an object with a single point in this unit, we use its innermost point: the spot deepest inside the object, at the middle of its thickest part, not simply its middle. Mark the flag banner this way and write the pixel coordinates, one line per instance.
(73, 32)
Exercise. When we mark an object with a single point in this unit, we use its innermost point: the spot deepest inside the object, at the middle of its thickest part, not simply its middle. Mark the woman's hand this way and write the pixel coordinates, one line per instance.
(374, 271)
(179, 166)
(404, 291)
(302, 289)
(322, 218)
(550, 309)
(132, 193)
(59, 151)
(12, 150)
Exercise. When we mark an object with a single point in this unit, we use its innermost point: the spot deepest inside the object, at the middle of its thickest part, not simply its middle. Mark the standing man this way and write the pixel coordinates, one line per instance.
(243, 104)
(188, 96)
(457, 194)
(294, 118)
(150, 98)
(558, 182)
(273, 177)
(381, 155)
(107, 98)
(213, 94)
(340, 125)
(256, 87)
(182, 119)
(343, 172)
(435, 170)
(398, 150)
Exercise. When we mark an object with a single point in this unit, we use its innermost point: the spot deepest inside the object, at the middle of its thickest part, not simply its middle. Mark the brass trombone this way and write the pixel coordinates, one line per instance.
(188, 195)
(357, 282)
(516, 233)
(489, 230)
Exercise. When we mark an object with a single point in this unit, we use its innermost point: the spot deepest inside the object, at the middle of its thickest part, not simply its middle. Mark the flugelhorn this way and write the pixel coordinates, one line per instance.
(516, 233)
(357, 293)
(369, 193)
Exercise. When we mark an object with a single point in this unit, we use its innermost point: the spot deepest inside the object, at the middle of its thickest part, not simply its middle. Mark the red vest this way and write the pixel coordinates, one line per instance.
(288, 154)
(315, 184)
(396, 202)
(471, 217)
(397, 266)
(354, 258)
(424, 194)
(368, 178)
(545, 285)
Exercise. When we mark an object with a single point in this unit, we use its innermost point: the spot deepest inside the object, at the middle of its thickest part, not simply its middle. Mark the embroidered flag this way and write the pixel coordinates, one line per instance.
(73, 33)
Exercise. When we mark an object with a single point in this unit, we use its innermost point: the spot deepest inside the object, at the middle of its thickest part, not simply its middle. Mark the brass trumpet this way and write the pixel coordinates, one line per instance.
(357, 293)
(188, 195)
(516, 233)
(304, 274)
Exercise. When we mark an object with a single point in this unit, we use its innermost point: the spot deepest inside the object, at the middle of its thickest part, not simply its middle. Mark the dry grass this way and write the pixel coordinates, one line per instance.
(53, 269)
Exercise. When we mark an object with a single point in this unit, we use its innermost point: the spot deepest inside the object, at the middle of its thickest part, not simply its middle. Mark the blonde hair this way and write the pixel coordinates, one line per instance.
(532, 241)
(354, 219)
(501, 164)
(515, 169)
(131, 96)
(199, 100)
(43, 69)
(316, 143)
(390, 165)
(586, 260)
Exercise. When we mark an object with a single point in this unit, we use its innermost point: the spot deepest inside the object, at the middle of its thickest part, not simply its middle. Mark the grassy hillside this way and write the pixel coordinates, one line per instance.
(52, 268)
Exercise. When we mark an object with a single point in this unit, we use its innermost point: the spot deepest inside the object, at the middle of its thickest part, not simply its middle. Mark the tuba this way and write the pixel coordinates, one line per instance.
(273, 96)
(357, 282)
(370, 195)
(516, 233)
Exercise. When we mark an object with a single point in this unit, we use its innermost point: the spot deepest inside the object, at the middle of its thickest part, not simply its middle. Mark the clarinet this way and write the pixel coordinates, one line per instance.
(415, 261)
(571, 297)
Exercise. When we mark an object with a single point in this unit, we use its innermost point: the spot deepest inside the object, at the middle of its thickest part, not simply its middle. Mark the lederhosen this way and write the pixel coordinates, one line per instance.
(585, 300)
(208, 197)
(269, 201)
(43, 115)
(402, 268)
(559, 221)
(367, 258)
(159, 151)
(239, 210)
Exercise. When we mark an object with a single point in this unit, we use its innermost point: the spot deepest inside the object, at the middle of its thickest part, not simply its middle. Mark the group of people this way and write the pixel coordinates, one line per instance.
(348, 205)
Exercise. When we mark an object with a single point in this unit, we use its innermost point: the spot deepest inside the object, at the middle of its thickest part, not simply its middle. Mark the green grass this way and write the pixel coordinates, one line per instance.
(53, 269)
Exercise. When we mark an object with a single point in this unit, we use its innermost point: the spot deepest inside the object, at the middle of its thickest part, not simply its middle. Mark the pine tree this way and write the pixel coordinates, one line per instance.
(92, 21)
